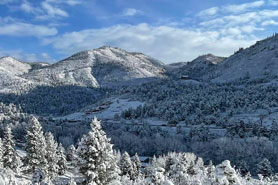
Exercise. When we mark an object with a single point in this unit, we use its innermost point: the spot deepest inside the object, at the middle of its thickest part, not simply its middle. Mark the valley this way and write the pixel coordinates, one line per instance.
(217, 108)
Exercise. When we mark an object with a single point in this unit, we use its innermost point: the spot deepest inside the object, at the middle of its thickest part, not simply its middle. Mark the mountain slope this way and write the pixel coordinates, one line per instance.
(13, 66)
(100, 67)
(11, 71)
(199, 67)
(257, 61)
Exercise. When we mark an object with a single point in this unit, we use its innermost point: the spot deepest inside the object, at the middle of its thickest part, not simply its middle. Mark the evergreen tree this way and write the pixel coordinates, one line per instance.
(136, 166)
(62, 162)
(99, 164)
(9, 154)
(264, 168)
(1, 152)
(71, 153)
(51, 154)
(35, 147)
(126, 165)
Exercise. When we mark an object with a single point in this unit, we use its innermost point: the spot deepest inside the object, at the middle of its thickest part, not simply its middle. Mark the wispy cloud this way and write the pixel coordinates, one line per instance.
(166, 43)
(25, 29)
(273, 2)
(48, 9)
(235, 8)
(243, 7)
(209, 12)
(222, 30)
(131, 12)
(269, 22)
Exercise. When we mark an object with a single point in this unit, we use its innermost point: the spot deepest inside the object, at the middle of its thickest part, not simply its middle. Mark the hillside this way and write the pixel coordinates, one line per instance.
(199, 67)
(100, 67)
(257, 61)
(11, 71)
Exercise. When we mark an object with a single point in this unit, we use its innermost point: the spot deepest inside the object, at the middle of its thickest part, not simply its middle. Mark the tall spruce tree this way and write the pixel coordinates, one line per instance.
(99, 164)
(51, 155)
(264, 168)
(62, 161)
(35, 147)
(136, 166)
(1, 152)
(71, 153)
(126, 165)
(9, 154)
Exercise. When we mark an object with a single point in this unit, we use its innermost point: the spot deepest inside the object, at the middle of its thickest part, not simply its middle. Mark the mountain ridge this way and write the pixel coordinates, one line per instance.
(109, 66)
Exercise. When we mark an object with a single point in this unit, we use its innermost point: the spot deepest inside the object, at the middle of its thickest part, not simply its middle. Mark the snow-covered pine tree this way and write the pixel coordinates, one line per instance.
(226, 174)
(9, 154)
(126, 165)
(264, 168)
(62, 161)
(136, 166)
(51, 154)
(1, 152)
(99, 166)
(35, 147)
(71, 153)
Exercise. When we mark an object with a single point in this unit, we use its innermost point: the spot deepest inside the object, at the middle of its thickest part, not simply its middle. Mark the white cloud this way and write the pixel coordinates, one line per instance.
(235, 8)
(243, 7)
(28, 8)
(131, 12)
(68, 2)
(25, 29)
(51, 11)
(269, 23)
(209, 12)
(169, 44)
(249, 18)
(48, 9)
(273, 2)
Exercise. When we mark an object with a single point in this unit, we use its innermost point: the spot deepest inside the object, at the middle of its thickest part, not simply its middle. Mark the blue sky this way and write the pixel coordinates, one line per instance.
(169, 30)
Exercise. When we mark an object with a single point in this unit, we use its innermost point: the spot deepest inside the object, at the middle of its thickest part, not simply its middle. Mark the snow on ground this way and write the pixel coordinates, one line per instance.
(255, 117)
(104, 110)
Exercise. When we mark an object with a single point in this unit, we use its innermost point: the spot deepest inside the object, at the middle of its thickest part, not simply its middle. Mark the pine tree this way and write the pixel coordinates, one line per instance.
(62, 162)
(1, 152)
(71, 153)
(99, 164)
(51, 155)
(35, 147)
(264, 168)
(126, 165)
(136, 166)
(9, 154)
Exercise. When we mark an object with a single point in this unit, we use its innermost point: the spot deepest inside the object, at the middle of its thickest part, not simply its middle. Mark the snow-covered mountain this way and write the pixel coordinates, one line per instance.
(14, 67)
(257, 61)
(108, 66)
(100, 67)
(11, 71)
(199, 67)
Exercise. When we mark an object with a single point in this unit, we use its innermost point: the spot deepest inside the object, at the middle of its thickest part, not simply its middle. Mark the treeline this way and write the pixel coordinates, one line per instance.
(196, 104)
(96, 163)
(53, 100)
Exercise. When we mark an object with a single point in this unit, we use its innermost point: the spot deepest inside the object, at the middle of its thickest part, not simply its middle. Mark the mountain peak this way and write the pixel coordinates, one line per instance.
(101, 67)
(208, 58)
(8, 58)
